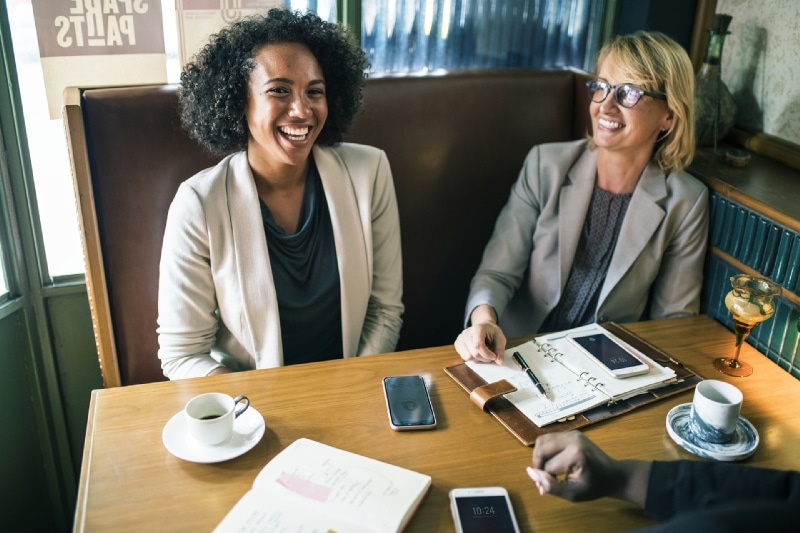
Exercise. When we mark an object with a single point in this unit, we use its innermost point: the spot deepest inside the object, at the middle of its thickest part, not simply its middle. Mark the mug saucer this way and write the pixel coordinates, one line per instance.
(247, 431)
(743, 444)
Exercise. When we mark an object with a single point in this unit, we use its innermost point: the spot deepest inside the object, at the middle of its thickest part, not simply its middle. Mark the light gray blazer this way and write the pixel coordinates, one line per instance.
(656, 270)
(217, 301)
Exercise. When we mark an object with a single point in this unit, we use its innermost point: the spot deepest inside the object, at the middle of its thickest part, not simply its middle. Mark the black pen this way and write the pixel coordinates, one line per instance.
(524, 366)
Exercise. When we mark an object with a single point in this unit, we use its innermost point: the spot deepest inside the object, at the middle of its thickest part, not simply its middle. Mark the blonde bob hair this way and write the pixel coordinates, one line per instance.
(655, 62)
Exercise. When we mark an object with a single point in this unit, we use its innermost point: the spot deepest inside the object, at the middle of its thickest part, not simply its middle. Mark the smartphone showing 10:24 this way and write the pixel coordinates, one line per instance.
(482, 510)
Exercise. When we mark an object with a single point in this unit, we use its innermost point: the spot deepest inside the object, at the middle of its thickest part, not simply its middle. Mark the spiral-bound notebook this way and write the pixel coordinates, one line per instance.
(578, 391)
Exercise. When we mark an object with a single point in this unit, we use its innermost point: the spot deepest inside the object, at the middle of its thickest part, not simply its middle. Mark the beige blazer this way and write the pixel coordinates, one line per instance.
(656, 270)
(217, 302)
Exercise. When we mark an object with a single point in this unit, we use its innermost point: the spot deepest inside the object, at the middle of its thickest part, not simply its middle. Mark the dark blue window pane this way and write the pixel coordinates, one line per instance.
(418, 36)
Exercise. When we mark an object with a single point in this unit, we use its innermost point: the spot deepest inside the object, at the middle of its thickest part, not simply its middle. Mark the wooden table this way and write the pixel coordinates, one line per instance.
(130, 482)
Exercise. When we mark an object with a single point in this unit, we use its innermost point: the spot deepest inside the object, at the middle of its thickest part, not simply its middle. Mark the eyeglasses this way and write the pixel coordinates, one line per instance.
(625, 94)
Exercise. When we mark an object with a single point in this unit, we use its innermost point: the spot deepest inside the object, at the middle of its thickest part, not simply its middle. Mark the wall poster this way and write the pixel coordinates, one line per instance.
(199, 19)
(98, 43)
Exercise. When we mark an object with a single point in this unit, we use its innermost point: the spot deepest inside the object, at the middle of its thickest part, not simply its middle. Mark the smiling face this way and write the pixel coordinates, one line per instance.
(632, 131)
(286, 108)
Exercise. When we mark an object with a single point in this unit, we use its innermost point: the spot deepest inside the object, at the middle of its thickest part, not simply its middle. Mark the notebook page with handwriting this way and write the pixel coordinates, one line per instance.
(310, 486)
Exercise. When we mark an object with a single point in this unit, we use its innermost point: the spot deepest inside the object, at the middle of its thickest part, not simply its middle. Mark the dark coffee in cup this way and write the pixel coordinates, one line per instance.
(210, 417)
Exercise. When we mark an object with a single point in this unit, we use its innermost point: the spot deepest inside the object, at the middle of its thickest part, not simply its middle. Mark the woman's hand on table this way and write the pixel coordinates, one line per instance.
(483, 341)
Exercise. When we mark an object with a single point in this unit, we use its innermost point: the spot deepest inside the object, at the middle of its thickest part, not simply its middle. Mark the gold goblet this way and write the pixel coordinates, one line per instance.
(750, 301)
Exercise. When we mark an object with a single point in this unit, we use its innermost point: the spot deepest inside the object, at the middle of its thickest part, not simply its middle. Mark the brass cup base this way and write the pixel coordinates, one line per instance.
(733, 367)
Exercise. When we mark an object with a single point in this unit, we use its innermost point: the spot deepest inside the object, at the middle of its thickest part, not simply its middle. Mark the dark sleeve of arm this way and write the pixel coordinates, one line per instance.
(684, 486)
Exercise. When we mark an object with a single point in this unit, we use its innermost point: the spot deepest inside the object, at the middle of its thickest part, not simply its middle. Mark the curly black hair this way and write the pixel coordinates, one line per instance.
(214, 85)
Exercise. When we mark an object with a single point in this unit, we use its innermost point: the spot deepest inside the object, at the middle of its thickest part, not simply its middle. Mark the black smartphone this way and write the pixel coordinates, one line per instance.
(611, 357)
(408, 403)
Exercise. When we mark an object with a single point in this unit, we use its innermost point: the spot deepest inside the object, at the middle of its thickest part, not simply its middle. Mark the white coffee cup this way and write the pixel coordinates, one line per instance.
(210, 416)
(715, 411)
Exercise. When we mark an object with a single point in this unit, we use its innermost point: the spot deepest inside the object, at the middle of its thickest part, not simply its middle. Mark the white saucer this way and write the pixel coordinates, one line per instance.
(247, 431)
(744, 443)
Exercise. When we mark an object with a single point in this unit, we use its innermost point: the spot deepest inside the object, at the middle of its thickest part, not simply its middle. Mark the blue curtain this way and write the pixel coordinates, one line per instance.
(417, 36)
(326, 9)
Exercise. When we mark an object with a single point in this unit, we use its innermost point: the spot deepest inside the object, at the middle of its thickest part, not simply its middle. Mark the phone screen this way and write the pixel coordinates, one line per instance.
(409, 404)
(484, 514)
(608, 352)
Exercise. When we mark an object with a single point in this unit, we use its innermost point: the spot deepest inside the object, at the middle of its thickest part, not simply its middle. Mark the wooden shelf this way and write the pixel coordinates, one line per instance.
(764, 185)
(790, 295)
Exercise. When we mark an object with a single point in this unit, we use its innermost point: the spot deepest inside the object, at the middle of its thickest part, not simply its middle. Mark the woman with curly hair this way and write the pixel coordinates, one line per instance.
(288, 250)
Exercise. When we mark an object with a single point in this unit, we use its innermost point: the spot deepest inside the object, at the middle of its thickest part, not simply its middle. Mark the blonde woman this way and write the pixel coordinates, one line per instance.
(606, 228)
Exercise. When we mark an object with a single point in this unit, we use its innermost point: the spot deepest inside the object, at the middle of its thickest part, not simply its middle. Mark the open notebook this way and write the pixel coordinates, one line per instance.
(310, 486)
(579, 391)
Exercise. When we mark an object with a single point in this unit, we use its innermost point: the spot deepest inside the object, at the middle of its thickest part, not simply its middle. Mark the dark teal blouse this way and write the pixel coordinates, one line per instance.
(306, 276)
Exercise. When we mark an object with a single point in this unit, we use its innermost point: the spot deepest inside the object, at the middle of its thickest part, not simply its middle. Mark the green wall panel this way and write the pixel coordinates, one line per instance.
(25, 504)
(76, 360)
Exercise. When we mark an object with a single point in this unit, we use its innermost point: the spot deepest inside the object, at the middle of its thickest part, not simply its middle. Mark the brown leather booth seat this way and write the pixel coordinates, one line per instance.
(455, 142)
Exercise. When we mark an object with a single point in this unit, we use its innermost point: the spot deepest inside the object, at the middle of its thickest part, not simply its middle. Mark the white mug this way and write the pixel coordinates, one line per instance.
(210, 416)
(715, 411)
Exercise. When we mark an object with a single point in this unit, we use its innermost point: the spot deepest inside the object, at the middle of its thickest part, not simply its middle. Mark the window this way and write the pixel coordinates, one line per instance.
(418, 36)
(399, 36)
(48, 150)
(3, 283)
(6, 231)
